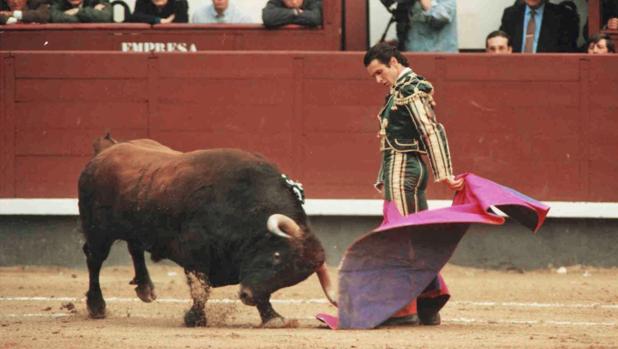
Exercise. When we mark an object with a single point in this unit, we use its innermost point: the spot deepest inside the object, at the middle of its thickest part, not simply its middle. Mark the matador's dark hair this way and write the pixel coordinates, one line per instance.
(383, 52)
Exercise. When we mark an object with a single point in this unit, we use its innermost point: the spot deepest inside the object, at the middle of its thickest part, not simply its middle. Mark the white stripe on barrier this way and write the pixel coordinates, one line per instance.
(44, 207)
(318, 207)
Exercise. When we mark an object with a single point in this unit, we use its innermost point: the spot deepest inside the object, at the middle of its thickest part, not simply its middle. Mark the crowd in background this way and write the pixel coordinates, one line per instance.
(535, 26)
(528, 26)
(276, 13)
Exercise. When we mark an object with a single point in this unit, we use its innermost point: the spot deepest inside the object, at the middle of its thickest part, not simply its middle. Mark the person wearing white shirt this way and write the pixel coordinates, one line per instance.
(220, 11)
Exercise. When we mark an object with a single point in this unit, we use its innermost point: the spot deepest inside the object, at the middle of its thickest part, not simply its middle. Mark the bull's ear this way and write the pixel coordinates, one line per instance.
(103, 143)
(108, 136)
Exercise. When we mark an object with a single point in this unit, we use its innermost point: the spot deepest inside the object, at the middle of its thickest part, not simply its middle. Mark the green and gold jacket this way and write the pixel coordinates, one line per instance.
(408, 123)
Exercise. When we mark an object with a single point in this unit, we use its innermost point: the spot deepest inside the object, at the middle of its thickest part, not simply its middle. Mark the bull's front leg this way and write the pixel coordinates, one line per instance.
(272, 319)
(200, 290)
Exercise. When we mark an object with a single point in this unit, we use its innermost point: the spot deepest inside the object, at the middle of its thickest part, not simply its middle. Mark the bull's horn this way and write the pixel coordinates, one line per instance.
(326, 285)
(278, 221)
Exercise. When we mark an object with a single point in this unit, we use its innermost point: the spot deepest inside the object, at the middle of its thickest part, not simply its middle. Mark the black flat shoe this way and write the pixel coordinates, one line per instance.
(408, 320)
(429, 319)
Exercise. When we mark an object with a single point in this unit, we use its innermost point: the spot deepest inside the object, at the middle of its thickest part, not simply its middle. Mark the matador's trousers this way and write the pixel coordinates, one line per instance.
(405, 180)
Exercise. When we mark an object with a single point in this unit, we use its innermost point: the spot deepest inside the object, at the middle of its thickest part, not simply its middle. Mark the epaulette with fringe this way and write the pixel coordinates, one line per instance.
(412, 86)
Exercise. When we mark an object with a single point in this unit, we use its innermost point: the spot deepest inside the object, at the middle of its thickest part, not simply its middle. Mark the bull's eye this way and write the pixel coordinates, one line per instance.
(276, 258)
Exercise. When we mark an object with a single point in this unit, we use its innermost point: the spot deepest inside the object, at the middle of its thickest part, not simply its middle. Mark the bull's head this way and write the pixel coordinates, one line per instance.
(286, 257)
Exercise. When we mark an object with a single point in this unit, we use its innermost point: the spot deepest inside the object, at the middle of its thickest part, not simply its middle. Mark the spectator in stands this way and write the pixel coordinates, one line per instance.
(601, 44)
(433, 26)
(498, 42)
(160, 11)
(81, 11)
(283, 12)
(538, 26)
(220, 11)
(24, 11)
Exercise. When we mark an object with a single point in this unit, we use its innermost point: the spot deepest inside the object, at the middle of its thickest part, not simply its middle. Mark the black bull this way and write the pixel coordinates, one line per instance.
(226, 216)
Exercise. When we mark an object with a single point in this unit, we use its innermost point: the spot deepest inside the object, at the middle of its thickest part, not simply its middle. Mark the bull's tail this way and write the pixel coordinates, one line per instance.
(102, 143)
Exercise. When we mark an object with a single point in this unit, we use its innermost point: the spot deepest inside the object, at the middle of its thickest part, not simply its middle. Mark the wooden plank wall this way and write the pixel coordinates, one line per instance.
(542, 124)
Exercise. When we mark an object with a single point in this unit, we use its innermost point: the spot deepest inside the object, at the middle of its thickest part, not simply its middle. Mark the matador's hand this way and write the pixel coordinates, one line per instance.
(454, 184)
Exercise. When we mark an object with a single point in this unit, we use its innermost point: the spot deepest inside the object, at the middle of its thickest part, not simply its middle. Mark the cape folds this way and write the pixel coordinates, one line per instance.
(384, 269)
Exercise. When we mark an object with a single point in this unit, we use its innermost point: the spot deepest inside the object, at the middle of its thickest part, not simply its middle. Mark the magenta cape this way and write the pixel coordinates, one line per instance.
(386, 268)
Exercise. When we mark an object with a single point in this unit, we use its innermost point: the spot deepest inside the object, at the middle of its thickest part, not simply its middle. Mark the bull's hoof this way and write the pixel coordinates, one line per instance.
(195, 318)
(279, 322)
(96, 310)
(146, 292)
(96, 305)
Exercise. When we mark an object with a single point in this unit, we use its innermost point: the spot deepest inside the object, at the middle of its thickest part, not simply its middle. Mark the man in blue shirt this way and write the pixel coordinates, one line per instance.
(433, 26)
(537, 26)
(220, 11)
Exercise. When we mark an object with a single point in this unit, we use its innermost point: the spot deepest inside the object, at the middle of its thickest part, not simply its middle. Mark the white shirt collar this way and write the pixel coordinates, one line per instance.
(403, 72)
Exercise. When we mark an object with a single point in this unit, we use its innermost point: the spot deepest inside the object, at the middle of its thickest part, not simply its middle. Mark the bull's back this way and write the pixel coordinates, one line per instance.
(140, 174)
(109, 181)
(124, 164)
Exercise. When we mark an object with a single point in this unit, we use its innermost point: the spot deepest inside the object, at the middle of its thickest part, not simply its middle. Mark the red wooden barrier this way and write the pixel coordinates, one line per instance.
(543, 124)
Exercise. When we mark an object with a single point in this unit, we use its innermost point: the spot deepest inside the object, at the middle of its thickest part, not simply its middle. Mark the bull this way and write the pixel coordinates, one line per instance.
(225, 216)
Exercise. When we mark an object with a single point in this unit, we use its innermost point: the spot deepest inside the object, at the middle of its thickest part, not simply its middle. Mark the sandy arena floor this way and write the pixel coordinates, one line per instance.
(489, 309)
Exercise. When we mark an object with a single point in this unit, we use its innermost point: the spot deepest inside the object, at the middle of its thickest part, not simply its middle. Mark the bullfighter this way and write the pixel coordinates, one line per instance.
(408, 130)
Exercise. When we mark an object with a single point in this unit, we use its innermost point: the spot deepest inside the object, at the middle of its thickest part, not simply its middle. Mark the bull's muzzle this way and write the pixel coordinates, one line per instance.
(324, 278)
(286, 227)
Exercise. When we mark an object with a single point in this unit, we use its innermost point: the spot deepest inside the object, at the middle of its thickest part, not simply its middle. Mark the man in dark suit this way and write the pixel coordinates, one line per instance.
(537, 26)
(283, 12)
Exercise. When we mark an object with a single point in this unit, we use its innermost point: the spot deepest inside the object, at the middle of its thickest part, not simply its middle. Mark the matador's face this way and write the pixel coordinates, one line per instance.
(385, 74)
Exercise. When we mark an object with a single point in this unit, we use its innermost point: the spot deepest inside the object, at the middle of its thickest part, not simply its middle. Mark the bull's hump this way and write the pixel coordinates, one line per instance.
(129, 150)
(232, 154)
(151, 145)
